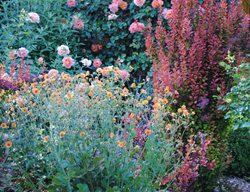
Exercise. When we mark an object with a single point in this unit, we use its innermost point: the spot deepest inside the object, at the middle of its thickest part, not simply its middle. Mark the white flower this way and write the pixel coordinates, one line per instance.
(112, 16)
(63, 50)
(86, 62)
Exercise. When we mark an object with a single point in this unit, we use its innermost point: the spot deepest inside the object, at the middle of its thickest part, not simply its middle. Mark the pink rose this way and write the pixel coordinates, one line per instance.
(22, 52)
(68, 62)
(114, 7)
(97, 63)
(139, 3)
(33, 17)
(77, 23)
(53, 73)
(40, 60)
(167, 13)
(136, 27)
(71, 3)
(63, 50)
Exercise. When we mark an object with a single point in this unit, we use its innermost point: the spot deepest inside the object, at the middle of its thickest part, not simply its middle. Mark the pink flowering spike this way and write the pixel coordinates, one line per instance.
(71, 3)
(139, 3)
(68, 62)
(97, 63)
(22, 52)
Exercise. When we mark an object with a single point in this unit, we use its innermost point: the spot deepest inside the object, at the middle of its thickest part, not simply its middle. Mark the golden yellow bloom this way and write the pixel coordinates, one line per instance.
(24, 109)
(121, 144)
(116, 68)
(13, 125)
(82, 134)
(145, 102)
(46, 139)
(165, 101)
(65, 76)
(109, 94)
(4, 125)
(35, 91)
(166, 90)
(8, 144)
(99, 70)
(62, 133)
(148, 131)
(111, 135)
(149, 98)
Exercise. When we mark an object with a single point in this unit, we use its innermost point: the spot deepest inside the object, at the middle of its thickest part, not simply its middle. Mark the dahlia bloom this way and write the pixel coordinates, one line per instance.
(22, 52)
(53, 73)
(114, 7)
(167, 13)
(97, 62)
(136, 27)
(157, 3)
(71, 3)
(68, 62)
(112, 17)
(139, 3)
(77, 23)
(63, 50)
(33, 17)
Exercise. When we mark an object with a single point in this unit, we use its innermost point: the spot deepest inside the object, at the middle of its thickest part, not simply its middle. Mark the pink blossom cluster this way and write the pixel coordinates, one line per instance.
(122, 74)
(139, 3)
(68, 62)
(71, 3)
(22, 52)
(136, 27)
(77, 23)
(97, 62)
(63, 50)
(116, 4)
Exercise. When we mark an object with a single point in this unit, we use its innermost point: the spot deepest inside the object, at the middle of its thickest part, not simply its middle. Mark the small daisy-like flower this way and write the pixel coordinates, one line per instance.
(8, 144)
(148, 131)
(179, 110)
(167, 89)
(149, 98)
(145, 102)
(109, 94)
(121, 144)
(62, 133)
(35, 91)
(4, 125)
(46, 139)
(82, 134)
(13, 125)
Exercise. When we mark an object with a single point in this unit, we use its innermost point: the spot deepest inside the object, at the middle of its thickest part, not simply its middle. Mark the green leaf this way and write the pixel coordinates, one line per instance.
(83, 187)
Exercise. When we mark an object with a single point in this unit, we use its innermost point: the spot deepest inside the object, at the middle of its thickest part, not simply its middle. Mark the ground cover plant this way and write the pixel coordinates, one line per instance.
(123, 95)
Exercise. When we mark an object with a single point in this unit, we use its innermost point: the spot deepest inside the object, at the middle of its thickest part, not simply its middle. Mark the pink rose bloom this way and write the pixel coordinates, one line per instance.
(139, 3)
(63, 50)
(53, 73)
(40, 60)
(97, 63)
(114, 7)
(33, 17)
(77, 23)
(167, 13)
(112, 17)
(123, 74)
(68, 62)
(71, 3)
(136, 27)
(22, 52)
(116, 1)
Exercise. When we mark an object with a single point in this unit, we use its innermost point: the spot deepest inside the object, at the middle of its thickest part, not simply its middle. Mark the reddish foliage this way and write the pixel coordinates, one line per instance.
(187, 57)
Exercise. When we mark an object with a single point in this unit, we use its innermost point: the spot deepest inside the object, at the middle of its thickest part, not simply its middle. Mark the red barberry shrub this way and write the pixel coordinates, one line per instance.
(186, 57)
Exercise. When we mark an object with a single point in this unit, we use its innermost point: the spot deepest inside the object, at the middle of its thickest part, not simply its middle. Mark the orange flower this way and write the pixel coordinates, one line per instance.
(82, 134)
(148, 131)
(35, 91)
(179, 110)
(24, 109)
(121, 144)
(123, 5)
(111, 135)
(109, 94)
(8, 144)
(166, 90)
(145, 102)
(62, 133)
(46, 139)
(4, 125)
(13, 125)
(157, 3)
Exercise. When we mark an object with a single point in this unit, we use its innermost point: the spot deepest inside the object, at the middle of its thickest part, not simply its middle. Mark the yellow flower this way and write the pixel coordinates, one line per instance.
(8, 144)
(179, 110)
(165, 101)
(111, 135)
(145, 102)
(109, 94)
(121, 144)
(149, 98)
(133, 85)
(166, 90)
(24, 109)
(82, 134)
(148, 131)
(137, 147)
(62, 133)
(4, 125)
(99, 70)
(46, 139)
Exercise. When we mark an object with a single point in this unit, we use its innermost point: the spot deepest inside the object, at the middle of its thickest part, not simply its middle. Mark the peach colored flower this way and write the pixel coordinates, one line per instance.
(139, 3)
(40, 60)
(136, 27)
(122, 74)
(33, 17)
(63, 50)
(22, 52)
(167, 13)
(97, 62)
(68, 62)
(71, 3)
(114, 7)
(157, 3)
(77, 23)
(123, 5)
(53, 73)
